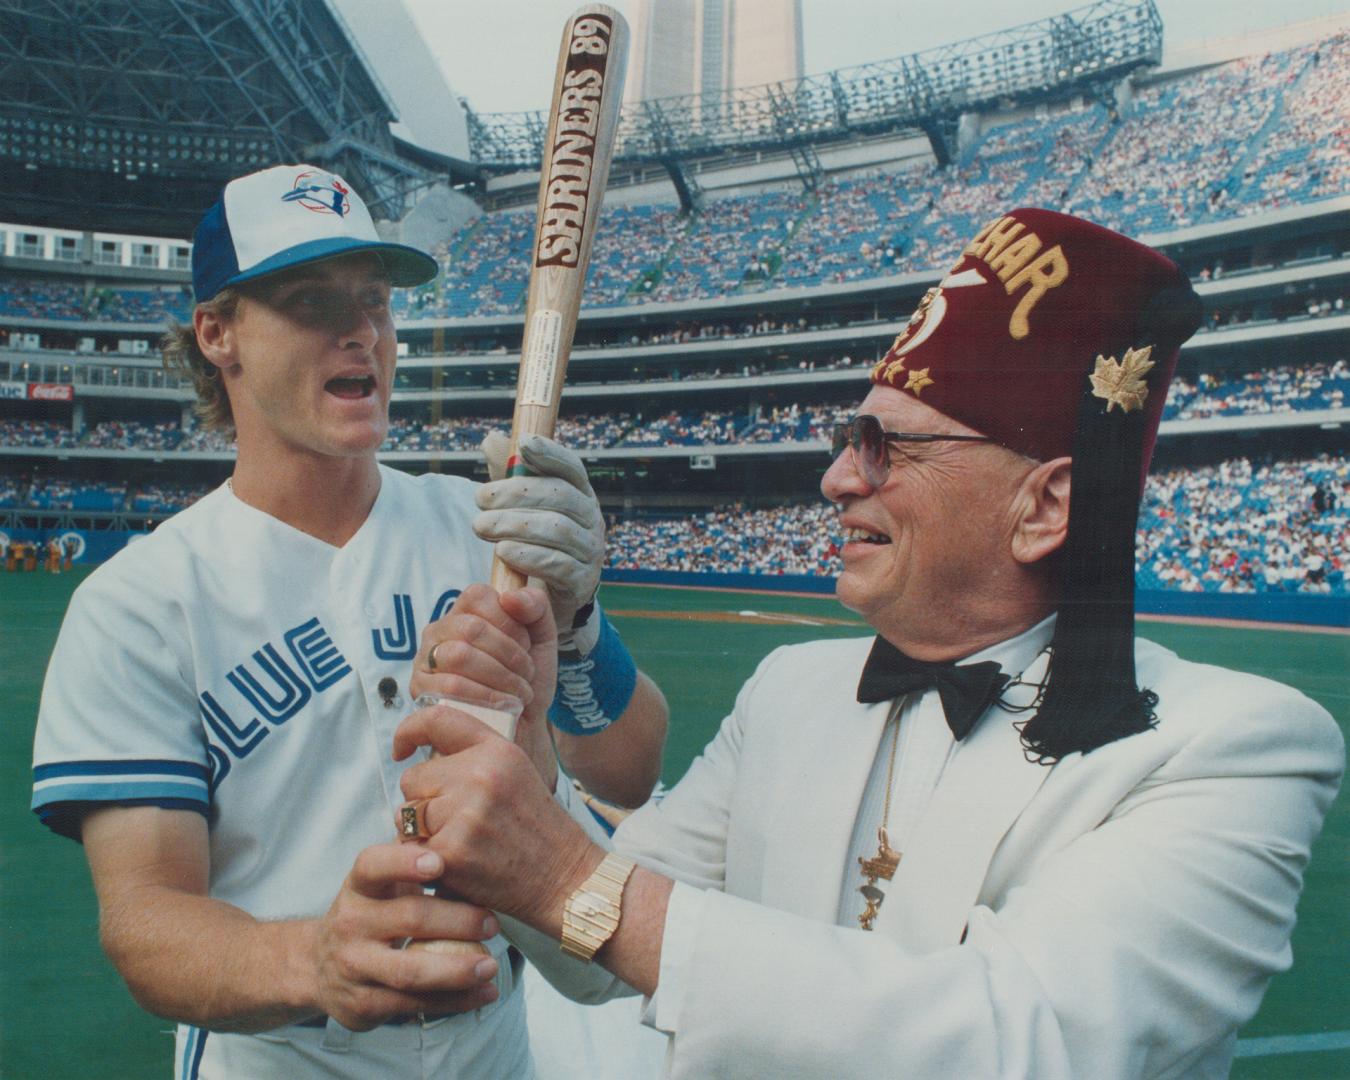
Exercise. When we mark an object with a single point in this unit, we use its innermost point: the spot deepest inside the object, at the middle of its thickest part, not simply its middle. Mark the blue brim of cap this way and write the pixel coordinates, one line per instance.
(406, 265)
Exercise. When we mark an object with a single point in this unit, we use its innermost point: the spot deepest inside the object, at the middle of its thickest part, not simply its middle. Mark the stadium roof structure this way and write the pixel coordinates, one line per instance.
(1086, 50)
(129, 115)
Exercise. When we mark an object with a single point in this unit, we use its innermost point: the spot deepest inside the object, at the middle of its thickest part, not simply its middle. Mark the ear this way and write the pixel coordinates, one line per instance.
(1042, 511)
(215, 336)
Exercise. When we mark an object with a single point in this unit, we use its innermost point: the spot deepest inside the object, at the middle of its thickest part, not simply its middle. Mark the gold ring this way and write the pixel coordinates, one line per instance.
(412, 820)
(431, 657)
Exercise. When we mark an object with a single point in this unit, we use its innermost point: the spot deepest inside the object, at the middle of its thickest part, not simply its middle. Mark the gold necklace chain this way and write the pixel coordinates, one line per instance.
(882, 865)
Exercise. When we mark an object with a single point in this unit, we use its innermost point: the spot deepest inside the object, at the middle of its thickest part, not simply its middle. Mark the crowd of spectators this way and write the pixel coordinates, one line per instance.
(165, 498)
(795, 539)
(1311, 386)
(1246, 136)
(132, 435)
(65, 493)
(58, 492)
(1274, 309)
(37, 434)
(38, 299)
(1272, 390)
(730, 242)
(1171, 159)
(1305, 156)
(1232, 527)
(631, 246)
(1237, 526)
(1244, 527)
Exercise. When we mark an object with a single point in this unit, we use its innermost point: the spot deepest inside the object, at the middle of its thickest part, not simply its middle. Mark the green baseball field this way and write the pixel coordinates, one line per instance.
(64, 1013)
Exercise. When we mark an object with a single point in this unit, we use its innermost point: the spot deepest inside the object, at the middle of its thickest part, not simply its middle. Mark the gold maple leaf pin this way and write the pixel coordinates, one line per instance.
(1123, 383)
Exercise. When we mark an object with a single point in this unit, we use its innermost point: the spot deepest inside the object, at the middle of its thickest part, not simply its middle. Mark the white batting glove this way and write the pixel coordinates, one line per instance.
(547, 526)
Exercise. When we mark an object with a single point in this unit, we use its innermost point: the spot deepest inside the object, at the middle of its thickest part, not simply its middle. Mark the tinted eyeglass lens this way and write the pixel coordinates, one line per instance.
(870, 441)
(841, 437)
(865, 435)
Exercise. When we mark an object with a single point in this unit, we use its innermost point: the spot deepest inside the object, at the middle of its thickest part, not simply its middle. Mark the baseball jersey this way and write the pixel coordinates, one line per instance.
(230, 664)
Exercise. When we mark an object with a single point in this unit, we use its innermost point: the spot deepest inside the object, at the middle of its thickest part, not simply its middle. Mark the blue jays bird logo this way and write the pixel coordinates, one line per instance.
(323, 198)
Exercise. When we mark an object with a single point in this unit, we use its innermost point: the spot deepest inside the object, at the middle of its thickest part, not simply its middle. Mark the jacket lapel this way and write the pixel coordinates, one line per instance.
(811, 824)
(984, 787)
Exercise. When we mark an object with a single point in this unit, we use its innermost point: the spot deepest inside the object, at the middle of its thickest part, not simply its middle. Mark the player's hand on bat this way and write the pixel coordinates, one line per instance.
(364, 977)
(490, 648)
(547, 525)
(506, 842)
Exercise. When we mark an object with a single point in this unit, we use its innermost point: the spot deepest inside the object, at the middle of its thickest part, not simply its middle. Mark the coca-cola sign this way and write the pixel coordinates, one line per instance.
(41, 391)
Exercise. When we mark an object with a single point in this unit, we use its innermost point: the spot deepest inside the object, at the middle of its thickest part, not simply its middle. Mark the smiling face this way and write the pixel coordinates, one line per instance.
(928, 555)
(308, 360)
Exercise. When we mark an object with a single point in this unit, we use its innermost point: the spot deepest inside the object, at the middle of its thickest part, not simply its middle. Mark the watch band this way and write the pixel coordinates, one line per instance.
(591, 914)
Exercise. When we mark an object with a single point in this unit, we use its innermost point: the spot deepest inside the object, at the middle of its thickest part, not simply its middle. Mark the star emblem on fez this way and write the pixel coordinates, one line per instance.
(918, 380)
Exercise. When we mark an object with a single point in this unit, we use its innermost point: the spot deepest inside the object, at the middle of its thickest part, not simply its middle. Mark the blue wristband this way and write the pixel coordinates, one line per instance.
(593, 692)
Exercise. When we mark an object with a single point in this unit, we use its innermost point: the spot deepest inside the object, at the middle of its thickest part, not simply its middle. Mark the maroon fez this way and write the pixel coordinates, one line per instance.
(1058, 338)
(1040, 306)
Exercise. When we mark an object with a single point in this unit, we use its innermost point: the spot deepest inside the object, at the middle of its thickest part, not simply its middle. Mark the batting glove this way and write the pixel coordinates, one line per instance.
(547, 525)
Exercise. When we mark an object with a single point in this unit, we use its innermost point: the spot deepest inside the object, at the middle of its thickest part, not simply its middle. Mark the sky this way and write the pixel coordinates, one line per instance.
(501, 55)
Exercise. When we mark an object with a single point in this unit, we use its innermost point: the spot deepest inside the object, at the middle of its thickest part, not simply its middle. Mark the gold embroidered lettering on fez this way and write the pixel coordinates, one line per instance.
(1045, 273)
(1000, 238)
(878, 368)
(1015, 256)
(974, 246)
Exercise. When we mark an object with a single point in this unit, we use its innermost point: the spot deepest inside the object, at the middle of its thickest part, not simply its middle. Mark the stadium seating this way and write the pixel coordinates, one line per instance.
(1314, 386)
(1240, 527)
(1231, 527)
(1251, 135)
(1319, 385)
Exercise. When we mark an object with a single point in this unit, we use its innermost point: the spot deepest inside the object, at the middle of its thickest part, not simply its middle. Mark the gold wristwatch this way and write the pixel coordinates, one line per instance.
(591, 914)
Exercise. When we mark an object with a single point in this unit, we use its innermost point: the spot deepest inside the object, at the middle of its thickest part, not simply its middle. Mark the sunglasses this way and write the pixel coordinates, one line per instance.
(868, 440)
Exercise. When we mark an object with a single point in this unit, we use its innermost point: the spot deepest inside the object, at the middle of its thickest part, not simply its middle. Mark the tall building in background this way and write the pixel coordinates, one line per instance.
(708, 46)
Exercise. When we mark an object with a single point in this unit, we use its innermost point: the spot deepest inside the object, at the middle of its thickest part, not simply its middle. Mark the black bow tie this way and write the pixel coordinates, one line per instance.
(966, 691)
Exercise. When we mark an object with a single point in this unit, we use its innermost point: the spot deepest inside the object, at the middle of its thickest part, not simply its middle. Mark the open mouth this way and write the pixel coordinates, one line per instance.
(351, 387)
(862, 536)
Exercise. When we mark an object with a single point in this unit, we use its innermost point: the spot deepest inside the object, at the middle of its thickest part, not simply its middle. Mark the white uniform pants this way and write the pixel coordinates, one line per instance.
(488, 1044)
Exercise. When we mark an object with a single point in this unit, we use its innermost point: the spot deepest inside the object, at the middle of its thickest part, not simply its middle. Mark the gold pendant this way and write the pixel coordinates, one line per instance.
(881, 866)
(874, 897)
(884, 862)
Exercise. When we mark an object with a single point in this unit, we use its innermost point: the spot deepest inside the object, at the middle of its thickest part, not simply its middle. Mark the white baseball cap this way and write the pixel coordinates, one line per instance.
(287, 216)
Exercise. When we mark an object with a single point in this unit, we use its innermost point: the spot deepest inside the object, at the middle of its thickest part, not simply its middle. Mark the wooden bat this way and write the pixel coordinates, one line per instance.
(583, 118)
(578, 148)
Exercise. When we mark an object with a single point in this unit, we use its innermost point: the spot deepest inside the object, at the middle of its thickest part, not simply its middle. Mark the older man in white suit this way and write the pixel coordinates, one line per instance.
(1003, 839)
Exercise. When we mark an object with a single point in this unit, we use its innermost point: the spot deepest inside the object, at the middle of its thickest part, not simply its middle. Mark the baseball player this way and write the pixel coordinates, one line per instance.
(217, 719)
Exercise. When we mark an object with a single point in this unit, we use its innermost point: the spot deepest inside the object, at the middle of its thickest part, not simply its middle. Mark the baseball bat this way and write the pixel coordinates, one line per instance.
(583, 119)
(578, 148)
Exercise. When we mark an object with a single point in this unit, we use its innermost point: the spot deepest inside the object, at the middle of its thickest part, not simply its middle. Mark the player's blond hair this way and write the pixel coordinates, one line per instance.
(181, 355)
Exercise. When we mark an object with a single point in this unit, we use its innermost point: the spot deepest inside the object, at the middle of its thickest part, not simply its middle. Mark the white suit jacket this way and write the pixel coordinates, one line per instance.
(1116, 915)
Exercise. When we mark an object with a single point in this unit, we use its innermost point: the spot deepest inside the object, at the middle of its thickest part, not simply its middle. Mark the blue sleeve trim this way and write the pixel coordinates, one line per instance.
(593, 692)
(75, 791)
(64, 781)
(136, 766)
(194, 1046)
(64, 818)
